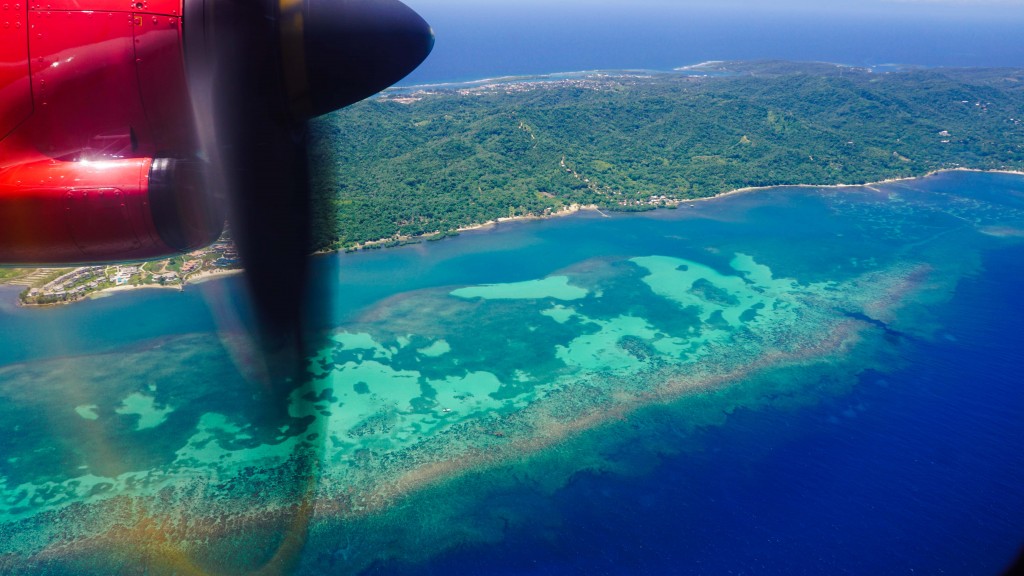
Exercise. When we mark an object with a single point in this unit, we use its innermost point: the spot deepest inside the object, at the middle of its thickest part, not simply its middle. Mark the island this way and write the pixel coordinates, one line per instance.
(424, 162)
(427, 161)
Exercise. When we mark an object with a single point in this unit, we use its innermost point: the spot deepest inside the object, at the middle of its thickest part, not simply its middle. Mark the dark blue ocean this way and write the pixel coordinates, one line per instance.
(487, 39)
(918, 471)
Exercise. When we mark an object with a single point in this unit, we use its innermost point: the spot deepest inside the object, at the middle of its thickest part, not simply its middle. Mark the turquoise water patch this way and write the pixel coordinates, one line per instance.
(382, 413)
(555, 287)
(88, 412)
(717, 296)
(438, 348)
(559, 313)
(145, 407)
(603, 351)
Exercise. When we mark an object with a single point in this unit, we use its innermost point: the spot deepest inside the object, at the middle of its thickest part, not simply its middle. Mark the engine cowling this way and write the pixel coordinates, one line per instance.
(109, 111)
(110, 210)
(98, 162)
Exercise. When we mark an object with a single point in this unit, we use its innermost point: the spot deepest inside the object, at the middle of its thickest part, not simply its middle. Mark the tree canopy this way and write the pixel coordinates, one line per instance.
(426, 161)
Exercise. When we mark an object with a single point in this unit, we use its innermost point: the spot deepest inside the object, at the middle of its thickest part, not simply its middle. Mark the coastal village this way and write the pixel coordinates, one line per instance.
(54, 286)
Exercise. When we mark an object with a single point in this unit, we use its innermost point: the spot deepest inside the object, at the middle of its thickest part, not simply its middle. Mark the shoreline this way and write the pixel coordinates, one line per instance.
(566, 211)
(864, 185)
(684, 70)
(197, 278)
(207, 275)
(111, 291)
(575, 208)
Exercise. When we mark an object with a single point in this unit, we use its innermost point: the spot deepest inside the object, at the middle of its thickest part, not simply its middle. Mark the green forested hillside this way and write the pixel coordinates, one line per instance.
(434, 160)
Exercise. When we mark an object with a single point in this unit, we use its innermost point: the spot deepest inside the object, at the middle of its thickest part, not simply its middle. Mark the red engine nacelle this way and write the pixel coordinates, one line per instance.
(100, 147)
(96, 135)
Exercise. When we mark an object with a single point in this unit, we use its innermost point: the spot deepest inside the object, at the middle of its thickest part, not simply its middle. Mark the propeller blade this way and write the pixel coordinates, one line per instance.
(258, 71)
(263, 69)
(356, 48)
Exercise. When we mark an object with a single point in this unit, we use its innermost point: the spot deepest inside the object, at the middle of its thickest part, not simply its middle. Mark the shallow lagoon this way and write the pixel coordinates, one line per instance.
(537, 398)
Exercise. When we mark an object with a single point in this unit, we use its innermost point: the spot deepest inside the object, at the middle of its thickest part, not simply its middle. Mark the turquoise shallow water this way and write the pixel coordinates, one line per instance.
(468, 385)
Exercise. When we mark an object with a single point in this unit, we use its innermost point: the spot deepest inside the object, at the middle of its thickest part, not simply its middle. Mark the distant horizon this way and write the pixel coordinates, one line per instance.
(476, 42)
(874, 67)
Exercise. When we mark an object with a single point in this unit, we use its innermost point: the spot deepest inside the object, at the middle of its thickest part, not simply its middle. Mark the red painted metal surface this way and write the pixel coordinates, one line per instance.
(84, 83)
(15, 90)
(78, 212)
(162, 85)
(90, 92)
(169, 7)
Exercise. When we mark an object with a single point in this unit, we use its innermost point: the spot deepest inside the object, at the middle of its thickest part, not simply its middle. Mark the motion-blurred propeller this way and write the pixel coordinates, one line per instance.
(258, 71)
